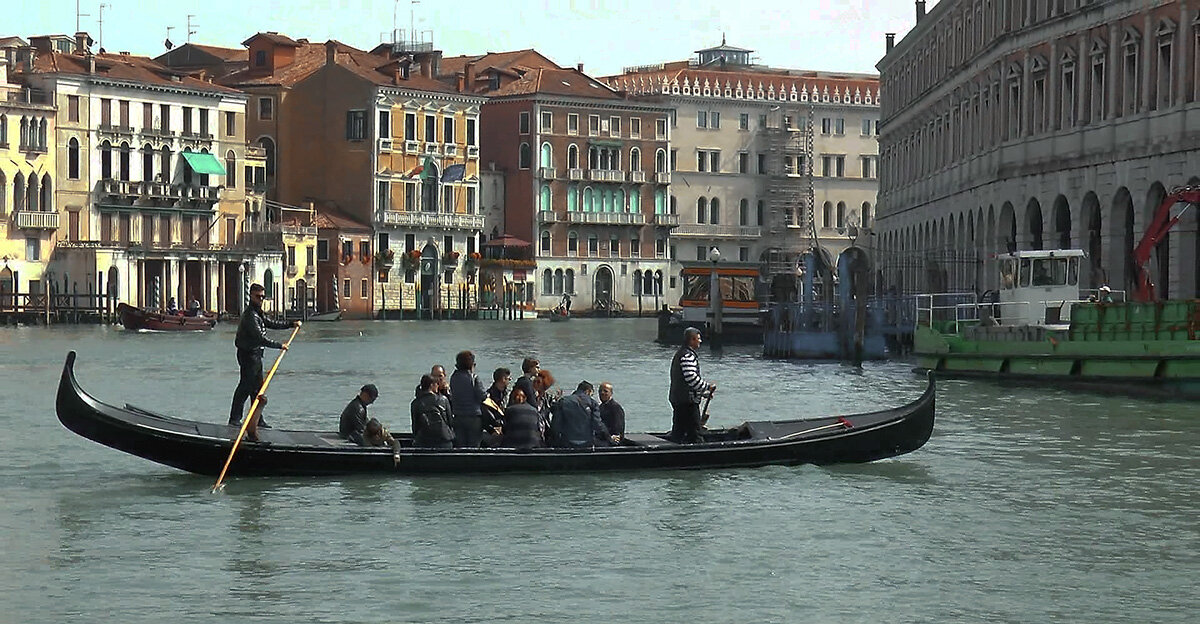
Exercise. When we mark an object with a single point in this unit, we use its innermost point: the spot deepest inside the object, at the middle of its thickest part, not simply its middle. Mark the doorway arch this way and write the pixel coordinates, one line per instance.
(602, 289)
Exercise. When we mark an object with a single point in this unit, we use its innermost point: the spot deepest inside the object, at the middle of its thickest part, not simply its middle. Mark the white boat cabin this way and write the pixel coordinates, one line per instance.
(1038, 287)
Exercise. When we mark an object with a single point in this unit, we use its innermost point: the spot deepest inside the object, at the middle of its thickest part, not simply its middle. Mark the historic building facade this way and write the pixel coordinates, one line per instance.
(29, 219)
(1014, 124)
(149, 192)
(751, 144)
(587, 182)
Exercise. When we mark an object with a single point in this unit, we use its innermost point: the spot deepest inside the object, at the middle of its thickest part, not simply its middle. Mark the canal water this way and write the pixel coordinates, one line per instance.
(1027, 505)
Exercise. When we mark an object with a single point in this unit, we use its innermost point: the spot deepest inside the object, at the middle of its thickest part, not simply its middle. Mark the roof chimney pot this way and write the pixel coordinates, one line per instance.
(920, 9)
(891, 41)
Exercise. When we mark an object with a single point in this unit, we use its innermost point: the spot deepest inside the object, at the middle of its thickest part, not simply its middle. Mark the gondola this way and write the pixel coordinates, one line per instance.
(202, 447)
(137, 318)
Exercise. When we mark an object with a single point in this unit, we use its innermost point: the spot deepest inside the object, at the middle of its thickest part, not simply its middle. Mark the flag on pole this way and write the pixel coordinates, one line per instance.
(429, 170)
(454, 173)
(414, 172)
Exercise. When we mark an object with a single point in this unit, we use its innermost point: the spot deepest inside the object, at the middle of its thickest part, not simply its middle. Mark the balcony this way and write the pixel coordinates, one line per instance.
(450, 149)
(412, 147)
(291, 229)
(445, 220)
(548, 216)
(472, 151)
(606, 175)
(637, 176)
(310, 271)
(575, 174)
(385, 145)
(717, 231)
(114, 130)
(546, 173)
(292, 270)
(668, 220)
(607, 218)
(253, 152)
(109, 186)
(432, 148)
(662, 178)
(32, 220)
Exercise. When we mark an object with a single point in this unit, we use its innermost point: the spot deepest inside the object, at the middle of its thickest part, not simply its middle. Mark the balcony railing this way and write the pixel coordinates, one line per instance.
(662, 178)
(607, 218)
(292, 270)
(433, 220)
(546, 173)
(637, 176)
(669, 220)
(432, 148)
(115, 130)
(32, 220)
(412, 147)
(310, 270)
(472, 151)
(116, 187)
(450, 149)
(291, 229)
(255, 152)
(547, 216)
(723, 231)
(385, 145)
(606, 175)
(575, 174)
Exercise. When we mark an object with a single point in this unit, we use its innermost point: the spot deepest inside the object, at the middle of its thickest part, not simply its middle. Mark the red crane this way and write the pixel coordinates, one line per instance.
(1155, 232)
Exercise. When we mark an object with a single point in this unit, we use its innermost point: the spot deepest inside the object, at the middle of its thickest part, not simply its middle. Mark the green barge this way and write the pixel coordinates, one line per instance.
(1036, 328)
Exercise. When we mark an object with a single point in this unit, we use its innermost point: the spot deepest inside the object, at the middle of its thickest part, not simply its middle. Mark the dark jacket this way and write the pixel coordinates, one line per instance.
(431, 424)
(687, 386)
(500, 398)
(577, 421)
(521, 427)
(354, 422)
(613, 417)
(466, 393)
(252, 331)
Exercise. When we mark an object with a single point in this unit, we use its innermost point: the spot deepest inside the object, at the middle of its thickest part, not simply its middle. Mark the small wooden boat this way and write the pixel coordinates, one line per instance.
(319, 317)
(137, 318)
(559, 314)
(202, 447)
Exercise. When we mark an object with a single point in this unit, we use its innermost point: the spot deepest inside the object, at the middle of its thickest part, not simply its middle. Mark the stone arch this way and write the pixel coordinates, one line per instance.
(1006, 228)
(1092, 241)
(1062, 223)
(1121, 227)
(1034, 225)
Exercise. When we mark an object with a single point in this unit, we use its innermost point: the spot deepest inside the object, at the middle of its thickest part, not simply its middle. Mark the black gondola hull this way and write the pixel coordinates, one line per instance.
(202, 448)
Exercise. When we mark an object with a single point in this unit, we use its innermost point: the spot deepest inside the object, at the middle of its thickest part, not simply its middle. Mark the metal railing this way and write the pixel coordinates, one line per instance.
(606, 218)
(33, 220)
(433, 219)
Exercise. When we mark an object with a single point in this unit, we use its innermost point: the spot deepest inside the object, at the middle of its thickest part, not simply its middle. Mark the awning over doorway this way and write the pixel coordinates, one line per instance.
(205, 164)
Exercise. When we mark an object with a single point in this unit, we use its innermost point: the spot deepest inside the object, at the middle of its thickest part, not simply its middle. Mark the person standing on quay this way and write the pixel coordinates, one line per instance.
(688, 388)
(250, 341)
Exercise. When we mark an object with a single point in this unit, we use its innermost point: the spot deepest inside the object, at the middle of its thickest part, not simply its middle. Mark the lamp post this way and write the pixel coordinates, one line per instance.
(714, 301)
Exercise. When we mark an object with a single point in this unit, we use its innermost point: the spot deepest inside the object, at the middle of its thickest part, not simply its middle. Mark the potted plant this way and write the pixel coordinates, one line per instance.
(472, 262)
(412, 260)
(347, 257)
(385, 258)
(450, 258)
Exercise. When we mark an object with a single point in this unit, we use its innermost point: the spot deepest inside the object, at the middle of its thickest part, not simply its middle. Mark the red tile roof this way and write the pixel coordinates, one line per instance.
(558, 82)
(312, 56)
(126, 67)
(504, 61)
(274, 37)
(225, 54)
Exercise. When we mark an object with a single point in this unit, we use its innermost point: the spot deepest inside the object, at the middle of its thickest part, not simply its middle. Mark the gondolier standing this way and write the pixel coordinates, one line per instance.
(688, 388)
(250, 341)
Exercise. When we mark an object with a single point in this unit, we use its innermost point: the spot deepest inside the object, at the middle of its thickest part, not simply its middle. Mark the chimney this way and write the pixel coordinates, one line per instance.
(470, 77)
(426, 67)
(579, 67)
(41, 43)
(920, 9)
(891, 41)
(3, 70)
(91, 64)
(331, 52)
(462, 80)
(82, 42)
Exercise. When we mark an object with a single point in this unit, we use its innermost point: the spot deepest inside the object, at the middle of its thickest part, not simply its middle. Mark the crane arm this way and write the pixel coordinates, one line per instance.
(1156, 231)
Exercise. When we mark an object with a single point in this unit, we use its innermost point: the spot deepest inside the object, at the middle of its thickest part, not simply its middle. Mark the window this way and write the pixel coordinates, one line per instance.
(762, 164)
(448, 130)
(866, 127)
(868, 169)
(701, 160)
(547, 124)
(714, 161)
(701, 252)
(839, 166)
(203, 119)
(593, 125)
(635, 127)
(572, 244)
(743, 254)
(544, 246)
(1131, 87)
(701, 119)
(635, 159)
(364, 289)
(322, 250)
(593, 246)
(72, 108)
(524, 156)
(260, 58)
(572, 123)
(382, 196)
(743, 162)
(230, 123)
(826, 125)
(744, 121)
(714, 211)
(346, 288)
(701, 210)
(744, 212)
(660, 129)
(635, 247)
(614, 247)
(826, 166)
(356, 125)
(230, 169)
(164, 116)
(759, 211)
(430, 129)
(839, 126)
(266, 109)
(714, 119)
(762, 122)
(410, 126)
(614, 126)
(470, 132)
(72, 159)
(523, 122)
(33, 250)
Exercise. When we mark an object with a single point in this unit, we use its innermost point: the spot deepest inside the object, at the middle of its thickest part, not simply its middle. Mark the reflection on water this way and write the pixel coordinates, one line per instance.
(1022, 504)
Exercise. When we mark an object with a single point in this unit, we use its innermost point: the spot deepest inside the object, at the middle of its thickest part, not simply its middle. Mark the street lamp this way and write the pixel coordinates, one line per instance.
(714, 300)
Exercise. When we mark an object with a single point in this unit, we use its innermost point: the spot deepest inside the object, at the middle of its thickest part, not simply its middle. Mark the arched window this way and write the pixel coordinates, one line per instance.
(545, 244)
(106, 164)
(701, 210)
(47, 202)
(658, 283)
(269, 283)
(42, 135)
(619, 200)
(203, 176)
(147, 163)
(744, 212)
(635, 159)
(660, 201)
(637, 283)
(558, 281)
(572, 244)
(648, 283)
(31, 193)
(268, 146)
(544, 198)
(606, 200)
(24, 132)
(72, 158)
(524, 156)
(124, 161)
(827, 214)
(3, 194)
(573, 198)
(593, 157)
(18, 192)
(230, 169)
(547, 156)
(674, 205)
(547, 280)
(588, 200)
(865, 215)
(714, 211)
(635, 199)
(841, 214)
(166, 172)
(569, 282)
(3, 129)
(572, 156)
(660, 161)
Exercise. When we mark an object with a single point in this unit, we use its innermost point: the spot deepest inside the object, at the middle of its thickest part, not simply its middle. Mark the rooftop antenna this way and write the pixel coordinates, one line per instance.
(79, 14)
(412, 20)
(190, 25)
(167, 42)
(100, 20)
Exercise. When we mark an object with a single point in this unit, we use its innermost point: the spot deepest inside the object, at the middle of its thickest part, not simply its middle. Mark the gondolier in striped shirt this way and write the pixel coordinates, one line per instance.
(688, 388)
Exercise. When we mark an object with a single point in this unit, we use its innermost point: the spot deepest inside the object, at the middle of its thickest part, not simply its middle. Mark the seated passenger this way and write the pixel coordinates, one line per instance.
(577, 421)
(353, 424)
(378, 435)
(171, 307)
(194, 308)
(431, 421)
(520, 423)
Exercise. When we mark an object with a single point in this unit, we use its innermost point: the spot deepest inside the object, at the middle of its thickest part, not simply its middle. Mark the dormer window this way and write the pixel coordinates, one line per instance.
(260, 58)
(494, 81)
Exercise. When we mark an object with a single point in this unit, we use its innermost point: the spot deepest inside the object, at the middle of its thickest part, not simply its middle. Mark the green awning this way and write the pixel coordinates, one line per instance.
(605, 142)
(205, 164)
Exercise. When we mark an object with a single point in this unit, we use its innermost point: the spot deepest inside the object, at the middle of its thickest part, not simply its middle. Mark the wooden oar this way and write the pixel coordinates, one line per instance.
(704, 417)
(841, 422)
(253, 405)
